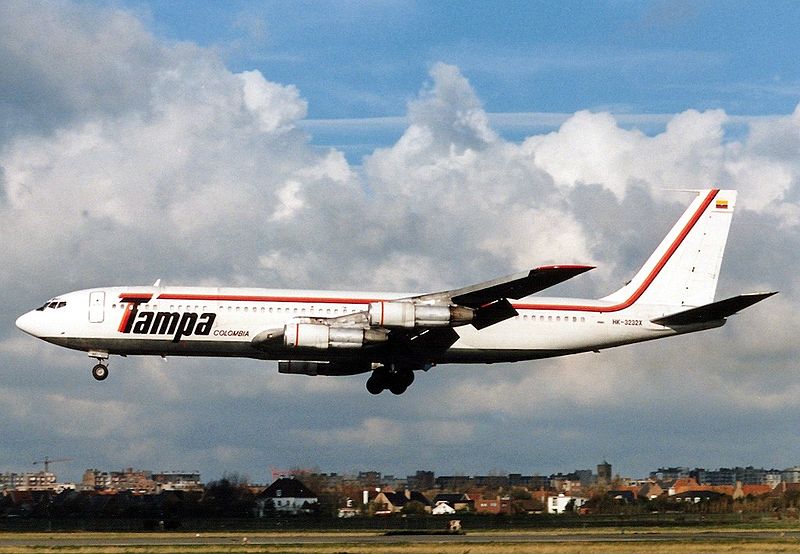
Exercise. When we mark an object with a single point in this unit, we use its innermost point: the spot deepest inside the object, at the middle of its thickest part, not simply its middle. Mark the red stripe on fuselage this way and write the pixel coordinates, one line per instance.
(580, 308)
(242, 298)
(125, 296)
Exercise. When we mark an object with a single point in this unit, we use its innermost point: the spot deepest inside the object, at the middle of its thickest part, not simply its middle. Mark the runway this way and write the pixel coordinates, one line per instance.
(90, 540)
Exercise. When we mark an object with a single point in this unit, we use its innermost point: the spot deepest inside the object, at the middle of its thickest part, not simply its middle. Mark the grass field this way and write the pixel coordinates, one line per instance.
(677, 548)
(650, 541)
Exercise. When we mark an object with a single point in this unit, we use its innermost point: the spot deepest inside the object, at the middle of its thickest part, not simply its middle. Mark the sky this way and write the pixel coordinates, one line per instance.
(396, 146)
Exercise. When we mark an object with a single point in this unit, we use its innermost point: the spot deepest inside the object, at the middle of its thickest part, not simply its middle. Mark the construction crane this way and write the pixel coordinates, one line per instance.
(47, 461)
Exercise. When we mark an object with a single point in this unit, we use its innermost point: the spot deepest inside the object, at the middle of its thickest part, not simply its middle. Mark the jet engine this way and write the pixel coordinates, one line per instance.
(316, 335)
(409, 315)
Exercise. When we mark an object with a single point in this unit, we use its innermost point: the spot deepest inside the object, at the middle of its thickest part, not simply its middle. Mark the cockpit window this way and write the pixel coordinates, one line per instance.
(52, 304)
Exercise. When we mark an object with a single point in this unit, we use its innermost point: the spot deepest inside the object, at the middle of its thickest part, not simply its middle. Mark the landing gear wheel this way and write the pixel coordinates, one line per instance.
(398, 388)
(100, 372)
(374, 385)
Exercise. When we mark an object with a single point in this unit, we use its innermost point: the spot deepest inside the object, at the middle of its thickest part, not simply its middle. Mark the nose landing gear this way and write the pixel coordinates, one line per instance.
(100, 371)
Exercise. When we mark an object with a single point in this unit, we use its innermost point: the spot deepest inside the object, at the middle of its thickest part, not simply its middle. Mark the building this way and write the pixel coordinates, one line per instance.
(370, 479)
(287, 496)
(133, 480)
(604, 472)
(442, 508)
(458, 501)
(454, 482)
(670, 473)
(563, 504)
(650, 490)
(421, 480)
(791, 475)
(487, 504)
(388, 502)
(730, 476)
(94, 479)
(30, 481)
(178, 481)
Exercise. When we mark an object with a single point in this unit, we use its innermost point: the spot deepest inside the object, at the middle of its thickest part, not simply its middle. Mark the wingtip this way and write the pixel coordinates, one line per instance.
(578, 268)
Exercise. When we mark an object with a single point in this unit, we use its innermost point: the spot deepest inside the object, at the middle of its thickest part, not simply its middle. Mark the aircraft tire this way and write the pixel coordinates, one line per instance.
(100, 372)
(397, 388)
(374, 385)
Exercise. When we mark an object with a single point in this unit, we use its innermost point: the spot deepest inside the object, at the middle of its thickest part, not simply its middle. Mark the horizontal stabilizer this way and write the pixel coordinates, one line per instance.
(715, 311)
(516, 286)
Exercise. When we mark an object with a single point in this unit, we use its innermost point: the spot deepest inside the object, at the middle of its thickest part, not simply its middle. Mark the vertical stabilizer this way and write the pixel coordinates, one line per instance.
(684, 269)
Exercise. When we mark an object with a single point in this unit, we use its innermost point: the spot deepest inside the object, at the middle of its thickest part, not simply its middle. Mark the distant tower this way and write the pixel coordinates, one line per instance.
(604, 472)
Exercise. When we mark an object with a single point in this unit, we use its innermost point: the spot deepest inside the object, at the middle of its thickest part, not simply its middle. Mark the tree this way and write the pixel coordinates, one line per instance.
(414, 508)
(518, 493)
(229, 498)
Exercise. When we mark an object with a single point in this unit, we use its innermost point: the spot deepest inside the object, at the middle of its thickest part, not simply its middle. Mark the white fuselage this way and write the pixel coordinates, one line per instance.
(203, 321)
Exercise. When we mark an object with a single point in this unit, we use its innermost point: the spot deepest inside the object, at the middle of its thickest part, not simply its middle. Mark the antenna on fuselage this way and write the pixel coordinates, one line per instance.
(157, 283)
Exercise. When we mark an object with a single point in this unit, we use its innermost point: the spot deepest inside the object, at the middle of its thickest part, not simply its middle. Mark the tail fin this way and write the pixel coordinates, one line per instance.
(684, 269)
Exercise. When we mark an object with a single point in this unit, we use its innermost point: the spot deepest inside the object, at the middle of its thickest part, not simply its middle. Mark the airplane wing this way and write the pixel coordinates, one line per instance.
(490, 298)
(716, 311)
(516, 286)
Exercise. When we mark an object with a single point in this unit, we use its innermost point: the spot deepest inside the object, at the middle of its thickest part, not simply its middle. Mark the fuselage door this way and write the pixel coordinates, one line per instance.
(97, 300)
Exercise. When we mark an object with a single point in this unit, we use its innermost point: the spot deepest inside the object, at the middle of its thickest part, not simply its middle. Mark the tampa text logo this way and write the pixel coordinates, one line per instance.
(162, 323)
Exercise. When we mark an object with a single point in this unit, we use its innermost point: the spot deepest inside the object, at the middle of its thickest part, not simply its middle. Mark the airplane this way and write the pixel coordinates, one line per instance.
(392, 335)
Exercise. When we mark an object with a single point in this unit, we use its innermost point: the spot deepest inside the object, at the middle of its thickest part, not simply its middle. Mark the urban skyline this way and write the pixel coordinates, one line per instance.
(424, 479)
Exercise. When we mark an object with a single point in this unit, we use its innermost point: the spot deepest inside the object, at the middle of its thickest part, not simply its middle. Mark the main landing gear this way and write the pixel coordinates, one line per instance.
(100, 371)
(396, 381)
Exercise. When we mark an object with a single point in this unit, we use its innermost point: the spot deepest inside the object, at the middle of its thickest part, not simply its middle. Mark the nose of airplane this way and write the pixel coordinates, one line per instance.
(27, 322)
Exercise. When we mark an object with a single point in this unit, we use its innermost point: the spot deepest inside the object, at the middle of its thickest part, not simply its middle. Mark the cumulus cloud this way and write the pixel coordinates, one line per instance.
(129, 158)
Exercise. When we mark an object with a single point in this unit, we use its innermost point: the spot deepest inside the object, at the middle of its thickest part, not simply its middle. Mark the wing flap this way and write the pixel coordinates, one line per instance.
(495, 312)
(715, 311)
(518, 285)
